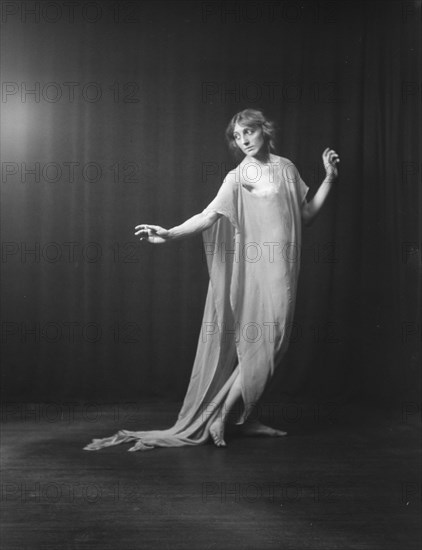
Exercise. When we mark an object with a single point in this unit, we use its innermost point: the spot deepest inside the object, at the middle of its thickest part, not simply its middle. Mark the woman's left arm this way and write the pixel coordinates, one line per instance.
(311, 209)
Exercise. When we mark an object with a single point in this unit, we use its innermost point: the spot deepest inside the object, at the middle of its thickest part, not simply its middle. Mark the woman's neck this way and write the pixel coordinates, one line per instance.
(263, 158)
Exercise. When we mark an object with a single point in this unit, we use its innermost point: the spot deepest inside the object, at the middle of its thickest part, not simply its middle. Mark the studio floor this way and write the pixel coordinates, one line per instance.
(343, 478)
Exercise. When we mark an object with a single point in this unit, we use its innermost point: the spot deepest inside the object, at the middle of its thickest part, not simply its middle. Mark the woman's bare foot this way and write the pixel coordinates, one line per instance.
(256, 428)
(217, 432)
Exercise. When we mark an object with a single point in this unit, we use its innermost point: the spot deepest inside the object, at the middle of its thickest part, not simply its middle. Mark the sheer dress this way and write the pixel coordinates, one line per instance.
(253, 259)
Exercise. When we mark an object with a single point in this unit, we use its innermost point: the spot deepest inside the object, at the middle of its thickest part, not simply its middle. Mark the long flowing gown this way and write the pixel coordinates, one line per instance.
(253, 258)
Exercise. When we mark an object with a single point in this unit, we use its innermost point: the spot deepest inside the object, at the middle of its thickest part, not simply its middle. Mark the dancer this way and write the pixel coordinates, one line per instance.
(252, 237)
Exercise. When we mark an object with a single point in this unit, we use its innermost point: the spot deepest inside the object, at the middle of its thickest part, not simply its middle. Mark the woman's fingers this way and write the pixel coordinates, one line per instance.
(151, 233)
(330, 159)
(141, 228)
(155, 227)
(330, 156)
(143, 232)
(146, 228)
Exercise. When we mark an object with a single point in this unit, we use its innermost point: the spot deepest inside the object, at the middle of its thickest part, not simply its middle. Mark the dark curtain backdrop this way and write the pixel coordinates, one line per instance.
(139, 137)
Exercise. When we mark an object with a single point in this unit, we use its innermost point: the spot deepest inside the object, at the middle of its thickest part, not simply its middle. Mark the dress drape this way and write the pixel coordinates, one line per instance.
(253, 259)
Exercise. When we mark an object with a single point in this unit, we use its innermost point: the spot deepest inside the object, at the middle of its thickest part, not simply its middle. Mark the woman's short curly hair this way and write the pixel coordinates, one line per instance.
(253, 118)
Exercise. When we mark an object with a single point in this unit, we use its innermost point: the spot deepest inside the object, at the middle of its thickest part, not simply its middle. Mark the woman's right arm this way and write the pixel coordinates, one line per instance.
(196, 224)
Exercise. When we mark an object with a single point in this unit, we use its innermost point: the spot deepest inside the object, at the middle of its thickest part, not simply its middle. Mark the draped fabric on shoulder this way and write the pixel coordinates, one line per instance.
(253, 256)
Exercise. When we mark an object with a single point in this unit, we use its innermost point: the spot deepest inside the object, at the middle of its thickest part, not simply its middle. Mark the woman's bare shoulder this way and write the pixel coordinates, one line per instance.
(282, 160)
(232, 176)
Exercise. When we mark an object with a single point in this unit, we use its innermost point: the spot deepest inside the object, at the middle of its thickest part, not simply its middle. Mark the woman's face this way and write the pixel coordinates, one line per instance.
(249, 140)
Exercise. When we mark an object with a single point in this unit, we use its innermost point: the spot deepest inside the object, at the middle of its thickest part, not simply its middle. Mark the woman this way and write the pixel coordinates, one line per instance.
(252, 236)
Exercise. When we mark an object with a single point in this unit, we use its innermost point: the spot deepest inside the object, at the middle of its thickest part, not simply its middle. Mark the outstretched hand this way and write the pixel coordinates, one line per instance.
(330, 159)
(152, 233)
